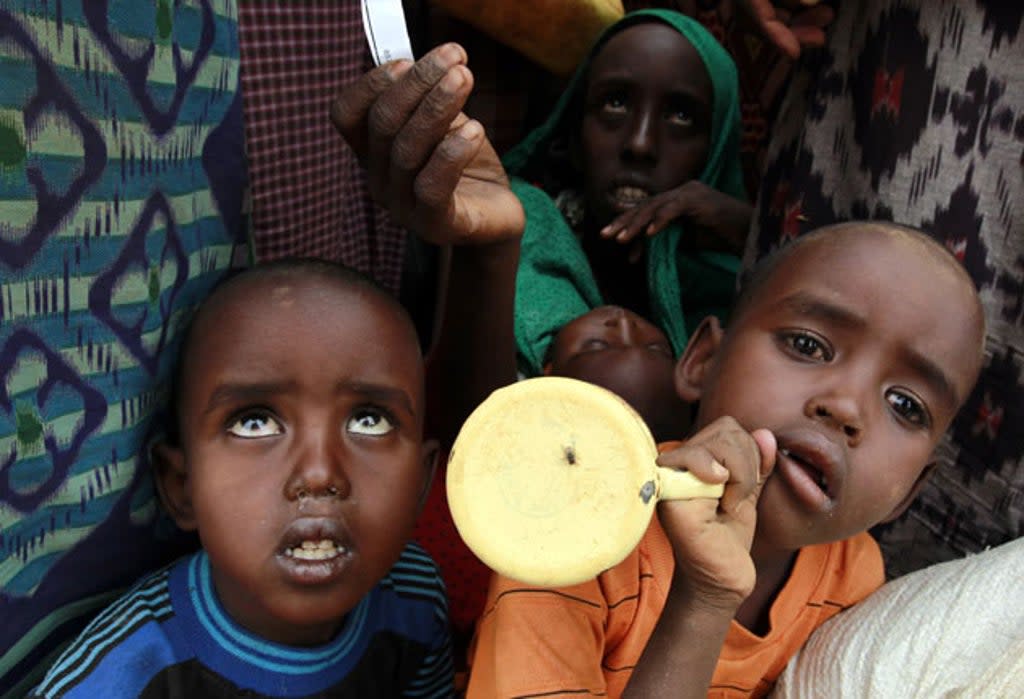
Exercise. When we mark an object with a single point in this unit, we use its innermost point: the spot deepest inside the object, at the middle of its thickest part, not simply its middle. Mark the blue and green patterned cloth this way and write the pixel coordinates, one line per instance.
(121, 184)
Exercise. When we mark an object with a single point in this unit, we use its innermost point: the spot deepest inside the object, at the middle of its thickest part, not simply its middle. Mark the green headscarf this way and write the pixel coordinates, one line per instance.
(555, 283)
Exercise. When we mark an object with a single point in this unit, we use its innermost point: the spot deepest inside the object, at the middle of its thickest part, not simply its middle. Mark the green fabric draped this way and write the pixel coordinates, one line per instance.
(555, 283)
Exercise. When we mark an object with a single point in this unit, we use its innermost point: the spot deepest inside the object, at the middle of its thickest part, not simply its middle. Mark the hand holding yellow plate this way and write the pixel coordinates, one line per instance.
(552, 481)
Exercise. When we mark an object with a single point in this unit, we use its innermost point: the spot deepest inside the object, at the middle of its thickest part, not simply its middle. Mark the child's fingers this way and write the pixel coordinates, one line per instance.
(655, 214)
(622, 223)
(819, 16)
(698, 460)
(392, 109)
(675, 207)
(638, 221)
(755, 460)
(435, 184)
(806, 25)
(425, 131)
(743, 459)
(350, 111)
(766, 443)
(635, 227)
(736, 449)
(809, 36)
(782, 37)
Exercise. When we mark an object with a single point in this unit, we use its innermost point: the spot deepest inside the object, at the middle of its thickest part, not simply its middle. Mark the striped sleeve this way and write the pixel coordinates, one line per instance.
(416, 575)
(80, 667)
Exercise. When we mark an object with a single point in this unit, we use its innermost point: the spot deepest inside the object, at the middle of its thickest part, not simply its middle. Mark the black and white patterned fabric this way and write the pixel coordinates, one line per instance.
(914, 112)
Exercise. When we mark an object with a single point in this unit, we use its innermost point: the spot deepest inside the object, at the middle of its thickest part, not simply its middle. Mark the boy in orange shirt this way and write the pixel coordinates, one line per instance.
(855, 347)
(851, 350)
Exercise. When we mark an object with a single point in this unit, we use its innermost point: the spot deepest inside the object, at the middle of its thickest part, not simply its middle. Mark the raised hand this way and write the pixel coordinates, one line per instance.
(428, 163)
(711, 538)
(792, 25)
(720, 221)
(713, 570)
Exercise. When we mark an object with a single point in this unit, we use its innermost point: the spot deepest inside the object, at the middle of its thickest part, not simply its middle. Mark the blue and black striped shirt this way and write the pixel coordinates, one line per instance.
(170, 637)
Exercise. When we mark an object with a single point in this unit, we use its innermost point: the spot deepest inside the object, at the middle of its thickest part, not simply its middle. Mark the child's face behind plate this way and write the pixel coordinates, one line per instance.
(301, 423)
(615, 348)
(856, 352)
(646, 119)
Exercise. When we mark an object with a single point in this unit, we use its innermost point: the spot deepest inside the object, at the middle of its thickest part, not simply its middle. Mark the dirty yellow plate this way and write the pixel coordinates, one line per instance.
(553, 480)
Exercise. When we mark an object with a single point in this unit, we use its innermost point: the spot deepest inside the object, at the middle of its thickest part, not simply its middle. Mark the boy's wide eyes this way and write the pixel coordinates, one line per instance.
(808, 345)
(370, 422)
(256, 424)
(661, 348)
(681, 117)
(681, 112)
(613, 102)
(617, 103)
(253, 425)
(908, 408)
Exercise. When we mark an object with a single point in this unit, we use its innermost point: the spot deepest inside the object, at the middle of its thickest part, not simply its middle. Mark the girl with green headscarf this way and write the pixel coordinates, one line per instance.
(648, 129)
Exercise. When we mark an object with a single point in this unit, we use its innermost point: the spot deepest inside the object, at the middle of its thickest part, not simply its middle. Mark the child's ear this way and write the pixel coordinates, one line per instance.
(903, 504)
(431, 453)
(692, 368)
(172, 483)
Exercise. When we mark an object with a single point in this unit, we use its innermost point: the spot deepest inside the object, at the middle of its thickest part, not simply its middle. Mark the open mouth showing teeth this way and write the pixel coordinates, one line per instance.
(322, 550)
(630, 196)
(811, 470)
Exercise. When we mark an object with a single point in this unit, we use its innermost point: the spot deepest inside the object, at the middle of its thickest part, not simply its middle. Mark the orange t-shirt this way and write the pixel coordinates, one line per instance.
(586, 639)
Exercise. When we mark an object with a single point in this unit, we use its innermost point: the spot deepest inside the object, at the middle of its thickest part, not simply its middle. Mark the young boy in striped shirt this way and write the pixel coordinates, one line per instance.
(298, 457)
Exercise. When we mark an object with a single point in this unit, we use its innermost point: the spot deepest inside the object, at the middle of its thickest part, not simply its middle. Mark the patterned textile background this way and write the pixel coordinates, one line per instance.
(121, 184)
(122, 173)
(309, 196)
(914, 112)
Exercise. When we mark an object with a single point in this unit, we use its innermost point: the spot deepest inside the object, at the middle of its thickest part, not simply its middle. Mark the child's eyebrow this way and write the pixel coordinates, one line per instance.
(934, 376)
(623, 78)
(245, 393)
(696, 97)
(377, 393)
(808, 304)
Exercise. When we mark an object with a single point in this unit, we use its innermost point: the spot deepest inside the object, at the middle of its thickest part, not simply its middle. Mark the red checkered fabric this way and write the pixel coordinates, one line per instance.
(309, 194)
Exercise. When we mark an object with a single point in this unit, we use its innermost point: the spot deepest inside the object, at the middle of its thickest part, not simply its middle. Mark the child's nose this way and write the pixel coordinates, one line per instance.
(840, 412)
(641, 141)
(627, 328)
(318, 470)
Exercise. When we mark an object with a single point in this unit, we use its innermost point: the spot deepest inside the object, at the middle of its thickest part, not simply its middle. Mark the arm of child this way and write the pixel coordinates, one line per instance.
(721, 218)
(436, 172)
(791, 25)
(713, 569)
